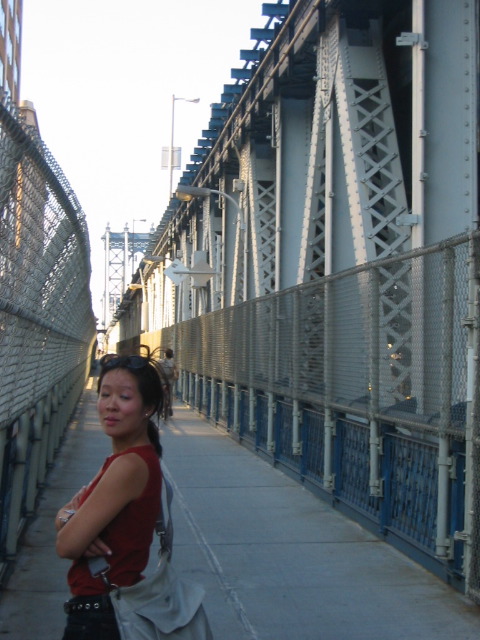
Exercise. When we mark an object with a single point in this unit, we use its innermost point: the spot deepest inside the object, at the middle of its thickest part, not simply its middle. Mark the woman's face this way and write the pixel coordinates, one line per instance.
(121, 409)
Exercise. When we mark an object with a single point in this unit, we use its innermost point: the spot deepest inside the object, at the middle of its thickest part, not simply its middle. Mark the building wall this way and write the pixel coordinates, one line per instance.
(10, 46)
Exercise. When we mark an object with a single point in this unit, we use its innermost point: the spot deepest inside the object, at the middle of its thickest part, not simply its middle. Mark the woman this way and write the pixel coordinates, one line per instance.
(114, 516)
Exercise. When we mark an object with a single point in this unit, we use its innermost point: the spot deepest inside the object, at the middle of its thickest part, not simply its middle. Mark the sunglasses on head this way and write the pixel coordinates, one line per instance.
(112, 361)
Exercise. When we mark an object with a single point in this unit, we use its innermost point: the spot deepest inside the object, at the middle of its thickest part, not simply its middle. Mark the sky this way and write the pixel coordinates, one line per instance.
(101, 75)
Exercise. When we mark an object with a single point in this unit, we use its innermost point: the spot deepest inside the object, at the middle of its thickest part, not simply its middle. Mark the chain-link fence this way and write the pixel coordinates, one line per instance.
(363, 384)
(47, 327)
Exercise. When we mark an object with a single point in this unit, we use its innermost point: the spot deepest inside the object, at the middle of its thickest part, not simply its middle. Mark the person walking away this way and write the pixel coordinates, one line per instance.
(170, 372)
(114, 516)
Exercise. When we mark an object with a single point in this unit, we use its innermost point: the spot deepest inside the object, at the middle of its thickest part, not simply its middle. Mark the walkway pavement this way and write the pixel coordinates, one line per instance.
(277, 562)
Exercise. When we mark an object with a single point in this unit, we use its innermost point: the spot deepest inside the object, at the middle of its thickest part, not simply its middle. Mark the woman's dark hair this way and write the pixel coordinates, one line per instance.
(146, 372)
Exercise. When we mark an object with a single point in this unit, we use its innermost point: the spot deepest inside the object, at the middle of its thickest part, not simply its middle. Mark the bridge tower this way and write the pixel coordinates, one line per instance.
(122, 251)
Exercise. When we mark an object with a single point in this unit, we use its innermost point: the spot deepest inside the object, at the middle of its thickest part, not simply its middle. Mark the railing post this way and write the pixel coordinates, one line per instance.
(213, 410)
(329, 426)
(252, 425)
(271, 413)
(472, 430)
(236, 408)
(296, 440)
(376, 489)
(35, 457)
(46, 418)
(443, 543)
(204, 394)
(23, 426)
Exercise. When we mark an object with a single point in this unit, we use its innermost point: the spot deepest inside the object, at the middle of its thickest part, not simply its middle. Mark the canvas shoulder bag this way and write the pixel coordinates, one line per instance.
(163, 605)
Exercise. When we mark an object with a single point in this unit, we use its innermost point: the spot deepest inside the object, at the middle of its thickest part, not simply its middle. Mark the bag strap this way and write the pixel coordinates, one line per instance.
(164, 528)
(99, 566)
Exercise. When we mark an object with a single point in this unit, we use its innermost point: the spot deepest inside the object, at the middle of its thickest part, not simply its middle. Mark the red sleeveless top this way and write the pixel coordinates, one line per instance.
(129, 535)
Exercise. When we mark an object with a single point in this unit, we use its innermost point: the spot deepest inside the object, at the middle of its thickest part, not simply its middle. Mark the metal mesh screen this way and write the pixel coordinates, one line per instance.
(47, 326)
(384, 339)
(393, 343)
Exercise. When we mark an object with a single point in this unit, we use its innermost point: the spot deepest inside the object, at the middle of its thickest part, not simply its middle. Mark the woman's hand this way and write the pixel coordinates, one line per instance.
(97, 548)
(68, 510)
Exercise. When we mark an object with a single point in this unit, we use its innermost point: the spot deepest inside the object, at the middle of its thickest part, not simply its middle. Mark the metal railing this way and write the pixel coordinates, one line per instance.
(47, 327)
(365, 392)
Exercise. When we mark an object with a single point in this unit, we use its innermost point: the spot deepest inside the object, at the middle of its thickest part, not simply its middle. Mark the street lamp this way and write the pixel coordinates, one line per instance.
(170, 151)
(133, 240)
(153, 259)
(186, 193)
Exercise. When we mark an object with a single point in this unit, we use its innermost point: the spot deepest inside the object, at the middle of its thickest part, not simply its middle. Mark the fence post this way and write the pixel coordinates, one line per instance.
(23, 426)
(236, 406)
(213, 400)
(374, 384)
(35, 456)
(329, 425)
(47, 415)
(444, 460)
(297, 327)
(472, 430)
(270, 438)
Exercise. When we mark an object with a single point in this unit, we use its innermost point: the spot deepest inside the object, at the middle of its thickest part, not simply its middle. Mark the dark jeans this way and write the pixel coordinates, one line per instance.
(91, 625)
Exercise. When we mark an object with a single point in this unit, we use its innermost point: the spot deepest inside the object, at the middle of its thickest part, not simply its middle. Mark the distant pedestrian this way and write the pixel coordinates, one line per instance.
(113, 518)
(170, 372)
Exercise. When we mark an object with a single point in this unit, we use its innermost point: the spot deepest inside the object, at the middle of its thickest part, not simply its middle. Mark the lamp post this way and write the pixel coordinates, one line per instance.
(186, 192)
(171, 148)
(133, 240)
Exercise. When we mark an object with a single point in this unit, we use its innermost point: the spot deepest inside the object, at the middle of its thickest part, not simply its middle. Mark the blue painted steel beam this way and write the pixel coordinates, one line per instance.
(233, 88)
(220, 113)
(216, 123)
(264, 35)
(204, 143)
(275, 10)
(250, 55)
(210, 133)
(241, 74)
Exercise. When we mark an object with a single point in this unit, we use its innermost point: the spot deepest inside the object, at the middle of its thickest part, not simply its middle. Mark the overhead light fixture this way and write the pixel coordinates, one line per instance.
(186, 192)
(153, 259)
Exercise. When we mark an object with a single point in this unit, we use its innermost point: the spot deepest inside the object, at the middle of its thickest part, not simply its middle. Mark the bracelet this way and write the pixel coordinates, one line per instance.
(69, 512)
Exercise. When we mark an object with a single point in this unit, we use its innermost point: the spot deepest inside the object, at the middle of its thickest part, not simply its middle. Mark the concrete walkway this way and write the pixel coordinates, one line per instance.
(277, 562)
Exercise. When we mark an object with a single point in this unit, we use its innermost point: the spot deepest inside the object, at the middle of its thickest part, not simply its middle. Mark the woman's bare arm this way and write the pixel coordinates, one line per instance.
(123, 481)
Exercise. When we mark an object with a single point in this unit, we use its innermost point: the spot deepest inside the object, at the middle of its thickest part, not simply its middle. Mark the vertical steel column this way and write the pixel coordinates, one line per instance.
(418, 123)
(126, 254)
(472, 430)
(277, 122)
(106, 290)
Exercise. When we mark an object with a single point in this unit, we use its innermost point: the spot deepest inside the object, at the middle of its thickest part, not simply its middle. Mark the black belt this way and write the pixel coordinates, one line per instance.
(88, 604)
